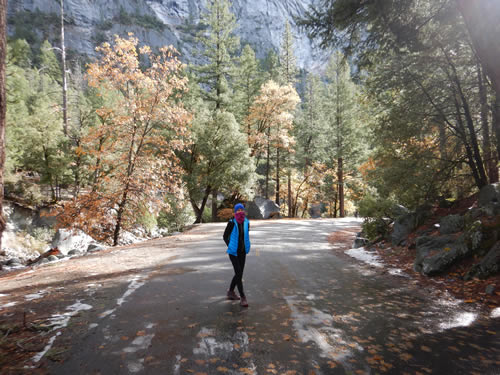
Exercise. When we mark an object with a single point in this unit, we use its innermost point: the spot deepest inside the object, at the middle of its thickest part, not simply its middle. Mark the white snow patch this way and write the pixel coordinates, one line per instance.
(93, 325)
(397, 272)
(462, 319)
(177, 365)
(106, 313)
(31, 297)
(139, 343)
(135, 284)
(10, 304)
(316, 326)
(208, 345)
(495, 313)
(62, 320)
(311, 297)
(3, 295)
(40, 355)
(361, 254)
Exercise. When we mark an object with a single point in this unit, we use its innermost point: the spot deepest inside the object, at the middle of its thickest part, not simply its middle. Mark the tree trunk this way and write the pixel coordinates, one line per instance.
(496, 123)
(119, 214)
(482, 20)
(199, 217)
(341, 187)
(290, 210)
(64, 76)
(488, 155)
(3, 104)
(214, 205)
(277, 176)
(268, 165)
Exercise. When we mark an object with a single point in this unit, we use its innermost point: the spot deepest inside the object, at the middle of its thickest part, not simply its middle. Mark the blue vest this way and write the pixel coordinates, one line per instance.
(233, 239)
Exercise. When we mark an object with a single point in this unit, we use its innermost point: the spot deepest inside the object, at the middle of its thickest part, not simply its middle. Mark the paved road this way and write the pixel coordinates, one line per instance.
(311, 312)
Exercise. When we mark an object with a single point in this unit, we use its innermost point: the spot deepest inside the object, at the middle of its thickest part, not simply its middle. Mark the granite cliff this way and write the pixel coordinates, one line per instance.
(161, 22)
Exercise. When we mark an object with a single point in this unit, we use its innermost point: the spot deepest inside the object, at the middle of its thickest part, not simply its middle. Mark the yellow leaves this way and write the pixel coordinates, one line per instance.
(405, 356)
(246, 355)
(140, 333)
(425, 349)
(246, 370)
(222, 369)
(286, 337)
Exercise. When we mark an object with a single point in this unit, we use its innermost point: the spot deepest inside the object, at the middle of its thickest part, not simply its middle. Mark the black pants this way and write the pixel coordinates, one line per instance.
(239, 266)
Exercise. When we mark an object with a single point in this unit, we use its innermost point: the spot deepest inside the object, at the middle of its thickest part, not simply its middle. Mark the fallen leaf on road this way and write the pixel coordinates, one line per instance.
(246, 355)
(199, 362)
(286, 337)
(222, 369)
(426, 348)
(124, 338)
(141, 333)
(192, 325)
(246, 370)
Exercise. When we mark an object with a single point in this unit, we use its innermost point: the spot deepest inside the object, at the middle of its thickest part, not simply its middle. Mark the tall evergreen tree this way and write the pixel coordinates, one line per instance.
(247, 82)
(341, 117)
(288, 76)
(3, 104)
(219, 44)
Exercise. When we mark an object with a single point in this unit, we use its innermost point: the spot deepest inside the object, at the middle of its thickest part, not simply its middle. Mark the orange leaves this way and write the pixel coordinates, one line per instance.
(141, 125)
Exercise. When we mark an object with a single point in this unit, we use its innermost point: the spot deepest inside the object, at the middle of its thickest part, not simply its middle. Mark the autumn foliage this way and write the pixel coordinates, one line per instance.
(133, 146)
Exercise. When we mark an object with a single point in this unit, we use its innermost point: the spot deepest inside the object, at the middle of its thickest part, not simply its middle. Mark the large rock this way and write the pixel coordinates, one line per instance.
(436, 254)
(451, 224)
(407, 223)
(489, 199)
(488, 266)
(66, 240)
(261, 208)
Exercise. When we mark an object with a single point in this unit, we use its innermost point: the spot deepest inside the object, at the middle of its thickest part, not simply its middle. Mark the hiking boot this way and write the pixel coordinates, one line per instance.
(232, 295)
(243, 302)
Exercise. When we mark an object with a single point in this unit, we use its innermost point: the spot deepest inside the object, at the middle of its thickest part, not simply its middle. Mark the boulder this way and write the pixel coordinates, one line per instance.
(489, 199)
(407, 223)
(93, 247)
(66, 240)
(436, 254)
(52, 258)
(399, 210)
(261, 208)
(360, 241)
(127, 238)
(488, 266)
(451, 224)
(315, 210)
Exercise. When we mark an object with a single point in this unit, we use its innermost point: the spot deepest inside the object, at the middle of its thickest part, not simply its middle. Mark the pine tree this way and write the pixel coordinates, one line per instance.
(341, 117)
(3, 104)
(219, 44)
(288, 76)
(247, 82)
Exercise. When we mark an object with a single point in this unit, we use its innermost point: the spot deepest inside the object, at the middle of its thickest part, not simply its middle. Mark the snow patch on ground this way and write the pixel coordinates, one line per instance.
(317, 326)
(62, 320)
(495, 313)
(10, 304)
(367, 257)
(461, 319)
(135, 284)
(31, 297)
(40, 355)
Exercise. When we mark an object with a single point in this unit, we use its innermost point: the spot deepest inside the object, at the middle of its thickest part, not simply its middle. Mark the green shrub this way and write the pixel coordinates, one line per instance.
(377, 212)
(176, 217)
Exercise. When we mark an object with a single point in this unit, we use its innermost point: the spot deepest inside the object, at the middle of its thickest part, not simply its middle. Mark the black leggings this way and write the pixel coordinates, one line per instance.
(239, 266)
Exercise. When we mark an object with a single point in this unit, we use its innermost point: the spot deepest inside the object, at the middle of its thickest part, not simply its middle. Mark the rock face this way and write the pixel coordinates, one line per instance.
(406, 223)
(261, 208)
(488, 266)
(451, 224)
(66, 240)
(260, 23)
(436, 254)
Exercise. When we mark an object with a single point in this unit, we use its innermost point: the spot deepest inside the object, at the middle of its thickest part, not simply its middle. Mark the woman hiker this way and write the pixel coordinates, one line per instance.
(238, 245)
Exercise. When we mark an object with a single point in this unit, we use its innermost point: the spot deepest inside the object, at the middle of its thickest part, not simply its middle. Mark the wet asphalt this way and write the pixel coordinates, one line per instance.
(310, 311)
